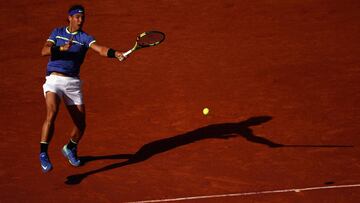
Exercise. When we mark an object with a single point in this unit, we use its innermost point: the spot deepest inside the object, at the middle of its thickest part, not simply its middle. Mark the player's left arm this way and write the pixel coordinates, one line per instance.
(107, 52)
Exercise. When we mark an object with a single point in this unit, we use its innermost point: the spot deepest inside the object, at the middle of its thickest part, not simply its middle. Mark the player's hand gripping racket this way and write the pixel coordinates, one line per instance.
(146, 39)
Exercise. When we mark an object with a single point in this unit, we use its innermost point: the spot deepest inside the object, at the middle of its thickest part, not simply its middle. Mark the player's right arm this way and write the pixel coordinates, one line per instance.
(104, 51)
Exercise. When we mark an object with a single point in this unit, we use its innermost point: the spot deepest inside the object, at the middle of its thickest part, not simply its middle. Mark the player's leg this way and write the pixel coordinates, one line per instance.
(52, 101)
(52, 107)
(73, 99)
(77, 113)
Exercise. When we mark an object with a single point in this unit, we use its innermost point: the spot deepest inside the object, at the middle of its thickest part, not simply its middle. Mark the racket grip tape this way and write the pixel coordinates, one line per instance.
(128, 52)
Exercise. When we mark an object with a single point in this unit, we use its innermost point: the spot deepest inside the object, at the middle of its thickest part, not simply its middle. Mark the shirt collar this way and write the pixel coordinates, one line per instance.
(72, 33)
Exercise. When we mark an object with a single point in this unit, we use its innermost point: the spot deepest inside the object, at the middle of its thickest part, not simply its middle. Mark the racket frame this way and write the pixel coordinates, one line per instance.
(137, 46)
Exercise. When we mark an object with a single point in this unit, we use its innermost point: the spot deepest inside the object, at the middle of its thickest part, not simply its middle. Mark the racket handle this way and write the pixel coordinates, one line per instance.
(127, 53)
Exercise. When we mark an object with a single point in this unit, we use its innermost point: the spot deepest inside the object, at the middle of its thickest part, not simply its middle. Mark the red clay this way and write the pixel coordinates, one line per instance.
(294, 63)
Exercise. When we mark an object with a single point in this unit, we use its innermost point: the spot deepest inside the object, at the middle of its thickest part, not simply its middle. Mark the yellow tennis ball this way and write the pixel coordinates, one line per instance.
(206, 111)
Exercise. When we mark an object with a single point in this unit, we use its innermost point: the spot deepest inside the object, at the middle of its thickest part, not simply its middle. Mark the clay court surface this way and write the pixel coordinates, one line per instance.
(281, 80)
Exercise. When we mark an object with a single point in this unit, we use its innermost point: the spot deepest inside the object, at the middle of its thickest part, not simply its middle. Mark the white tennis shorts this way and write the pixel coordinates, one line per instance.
(67, 88)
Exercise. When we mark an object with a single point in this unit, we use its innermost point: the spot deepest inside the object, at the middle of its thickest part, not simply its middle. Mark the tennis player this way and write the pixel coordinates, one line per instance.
(67, 47)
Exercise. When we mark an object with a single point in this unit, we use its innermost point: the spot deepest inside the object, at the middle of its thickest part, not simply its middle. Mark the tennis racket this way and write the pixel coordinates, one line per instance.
(146, 39)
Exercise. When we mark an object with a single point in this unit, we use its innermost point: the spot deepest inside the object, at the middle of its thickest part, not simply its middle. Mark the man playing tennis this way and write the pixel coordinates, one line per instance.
(67, 47)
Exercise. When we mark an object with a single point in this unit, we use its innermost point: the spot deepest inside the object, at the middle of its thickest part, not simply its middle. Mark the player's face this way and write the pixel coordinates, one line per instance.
(77, 21)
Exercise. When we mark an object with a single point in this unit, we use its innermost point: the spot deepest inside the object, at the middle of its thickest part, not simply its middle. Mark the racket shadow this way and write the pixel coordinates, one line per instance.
(214, 131)
(85, 159)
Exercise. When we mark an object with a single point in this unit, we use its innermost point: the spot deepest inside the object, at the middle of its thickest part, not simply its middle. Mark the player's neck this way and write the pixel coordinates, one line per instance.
(71, 29)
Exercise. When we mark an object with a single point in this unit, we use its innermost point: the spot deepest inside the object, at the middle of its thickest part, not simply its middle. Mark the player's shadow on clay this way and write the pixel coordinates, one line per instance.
(215, 131)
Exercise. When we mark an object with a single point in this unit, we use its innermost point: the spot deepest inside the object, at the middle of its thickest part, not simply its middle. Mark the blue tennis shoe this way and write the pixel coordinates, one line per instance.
(46, 165)
(71, 155)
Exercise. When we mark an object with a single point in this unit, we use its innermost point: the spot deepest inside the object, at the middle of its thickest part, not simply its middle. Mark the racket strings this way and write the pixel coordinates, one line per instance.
(151, 39)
